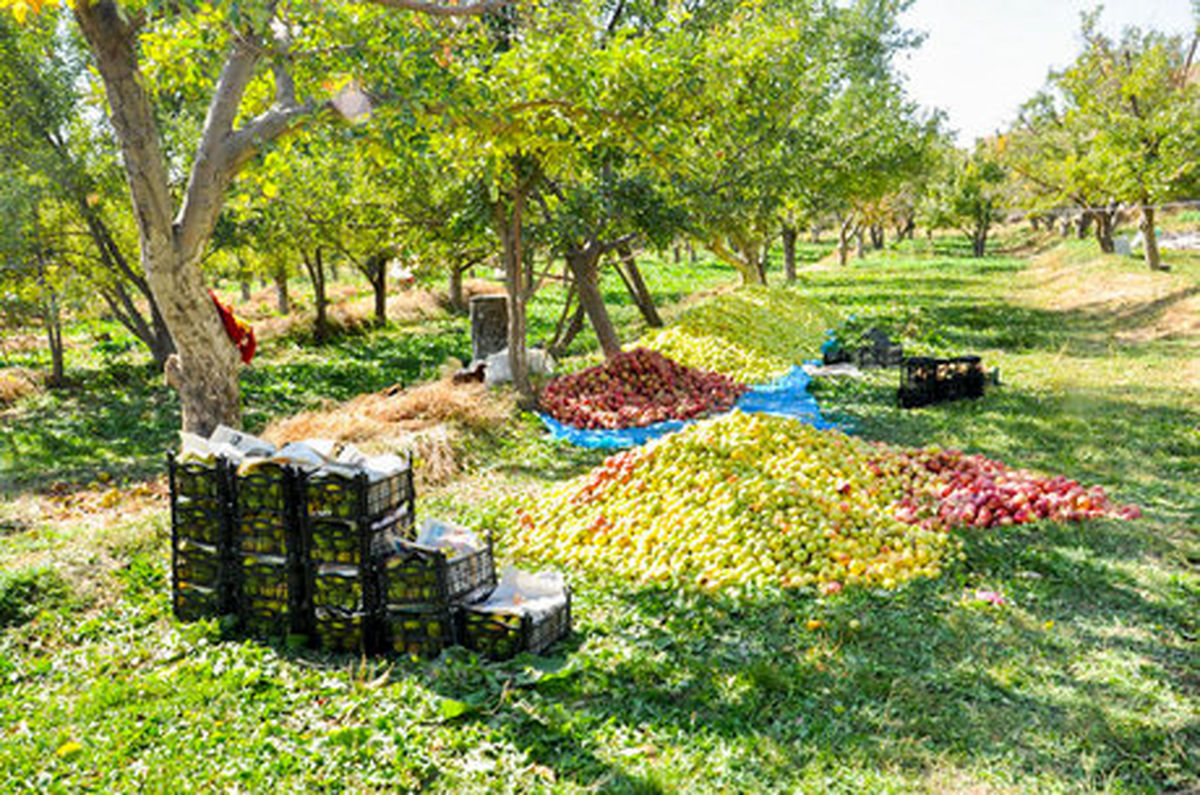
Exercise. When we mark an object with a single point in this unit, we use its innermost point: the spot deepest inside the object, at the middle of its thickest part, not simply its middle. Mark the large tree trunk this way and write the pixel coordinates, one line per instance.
(205, 367)
(514, 281)
(859, 244)
(1150, 238)
(582, 263)
(458, 303)
(314, 265)
(843, 248)
(283, 304)
(1104, 230)
(789, 234)
(877, 236)
(632, 276)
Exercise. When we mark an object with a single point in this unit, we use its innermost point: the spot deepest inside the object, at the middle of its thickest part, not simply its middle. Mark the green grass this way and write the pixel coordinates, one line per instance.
(1087, 680)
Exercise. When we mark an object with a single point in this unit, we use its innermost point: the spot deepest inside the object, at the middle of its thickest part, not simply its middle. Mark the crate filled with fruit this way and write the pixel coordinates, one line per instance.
(526, 613)
(200, 537)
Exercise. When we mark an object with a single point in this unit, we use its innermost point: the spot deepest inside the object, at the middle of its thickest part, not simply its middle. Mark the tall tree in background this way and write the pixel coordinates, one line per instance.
(1138, 99)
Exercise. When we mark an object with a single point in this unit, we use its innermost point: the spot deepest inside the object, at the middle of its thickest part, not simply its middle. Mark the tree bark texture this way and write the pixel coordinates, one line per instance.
(283, 303)
(458, 303)
(314, 265)
(632, 276)
(514, 280)
(1105, 226)
(375, 270)
(1150, 238)
(583, 264)
(843, 248)
(789, 235)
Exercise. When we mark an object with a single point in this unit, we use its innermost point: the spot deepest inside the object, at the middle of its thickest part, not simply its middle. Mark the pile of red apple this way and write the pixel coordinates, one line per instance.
(975, 491)
(636, 388)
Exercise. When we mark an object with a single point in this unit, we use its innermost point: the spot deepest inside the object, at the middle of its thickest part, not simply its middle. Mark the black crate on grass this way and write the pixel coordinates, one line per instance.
(201, 564)
(504, 635)
(968, 376)
(926, 380)
(415, 575)
(272, 594)
(420, 631)
(194, 602)
(328, 495)
(879, 351)
(343, 630)
(341, 587)
(272, 598)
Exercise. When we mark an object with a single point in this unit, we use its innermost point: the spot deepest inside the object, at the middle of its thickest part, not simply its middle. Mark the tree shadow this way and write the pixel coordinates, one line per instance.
(924, 676)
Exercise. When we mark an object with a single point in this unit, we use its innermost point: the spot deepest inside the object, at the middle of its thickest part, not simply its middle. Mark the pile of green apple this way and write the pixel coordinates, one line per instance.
(752, 335)
(751, 499)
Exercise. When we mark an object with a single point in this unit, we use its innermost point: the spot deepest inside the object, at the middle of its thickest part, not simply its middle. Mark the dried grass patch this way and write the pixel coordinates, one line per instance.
(430, 420)
(17, 383)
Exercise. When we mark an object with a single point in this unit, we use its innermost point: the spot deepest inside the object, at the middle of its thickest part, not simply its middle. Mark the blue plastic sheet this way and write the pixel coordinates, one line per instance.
(785, 397)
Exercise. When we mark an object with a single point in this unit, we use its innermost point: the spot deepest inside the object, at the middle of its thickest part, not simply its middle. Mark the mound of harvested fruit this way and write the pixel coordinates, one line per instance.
(750, 499)
(636, 388)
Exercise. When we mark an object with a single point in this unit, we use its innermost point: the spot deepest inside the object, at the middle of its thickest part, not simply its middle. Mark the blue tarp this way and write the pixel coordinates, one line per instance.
(785, 397)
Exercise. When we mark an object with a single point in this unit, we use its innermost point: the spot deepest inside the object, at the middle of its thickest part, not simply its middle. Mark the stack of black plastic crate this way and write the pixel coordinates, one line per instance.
(332, 557)
(424, 590)
(269, 559)
(201, 583)
(349, 524)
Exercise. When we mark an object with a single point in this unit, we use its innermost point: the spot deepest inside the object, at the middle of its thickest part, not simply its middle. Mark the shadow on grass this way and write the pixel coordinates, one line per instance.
(888, 681)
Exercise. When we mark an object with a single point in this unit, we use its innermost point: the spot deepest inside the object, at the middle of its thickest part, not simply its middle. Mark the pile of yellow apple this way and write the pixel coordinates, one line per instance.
(751, 335)
(752, 499)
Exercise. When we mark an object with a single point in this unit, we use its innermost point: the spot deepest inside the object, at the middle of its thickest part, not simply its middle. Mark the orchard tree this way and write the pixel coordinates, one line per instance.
(970, 194)
(42, 101)
(257, 42)
(1137, 102)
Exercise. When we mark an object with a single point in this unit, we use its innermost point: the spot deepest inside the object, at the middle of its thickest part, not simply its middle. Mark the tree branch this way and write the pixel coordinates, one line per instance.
(445, 9)
(211, 171)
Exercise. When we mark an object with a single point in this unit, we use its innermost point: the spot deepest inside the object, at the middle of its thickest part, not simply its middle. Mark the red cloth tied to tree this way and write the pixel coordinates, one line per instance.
(239, 331)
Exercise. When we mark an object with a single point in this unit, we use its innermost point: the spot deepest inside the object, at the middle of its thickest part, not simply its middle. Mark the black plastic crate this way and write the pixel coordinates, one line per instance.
(968, 377)
(343, 630)
(879, 356)
(197, 481)
(198, 564)
(420, 631)
(340, 587)
(201, 566)
(416, 575)
(265, 488)
(504, 635)
(194, 602)
(355, 543)
(204, 521)
(340, 497)
(926, 380)
(271, 596)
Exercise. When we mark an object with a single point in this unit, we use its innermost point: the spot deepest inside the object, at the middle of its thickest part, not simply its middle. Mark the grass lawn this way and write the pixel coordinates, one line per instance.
(1087, 680)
